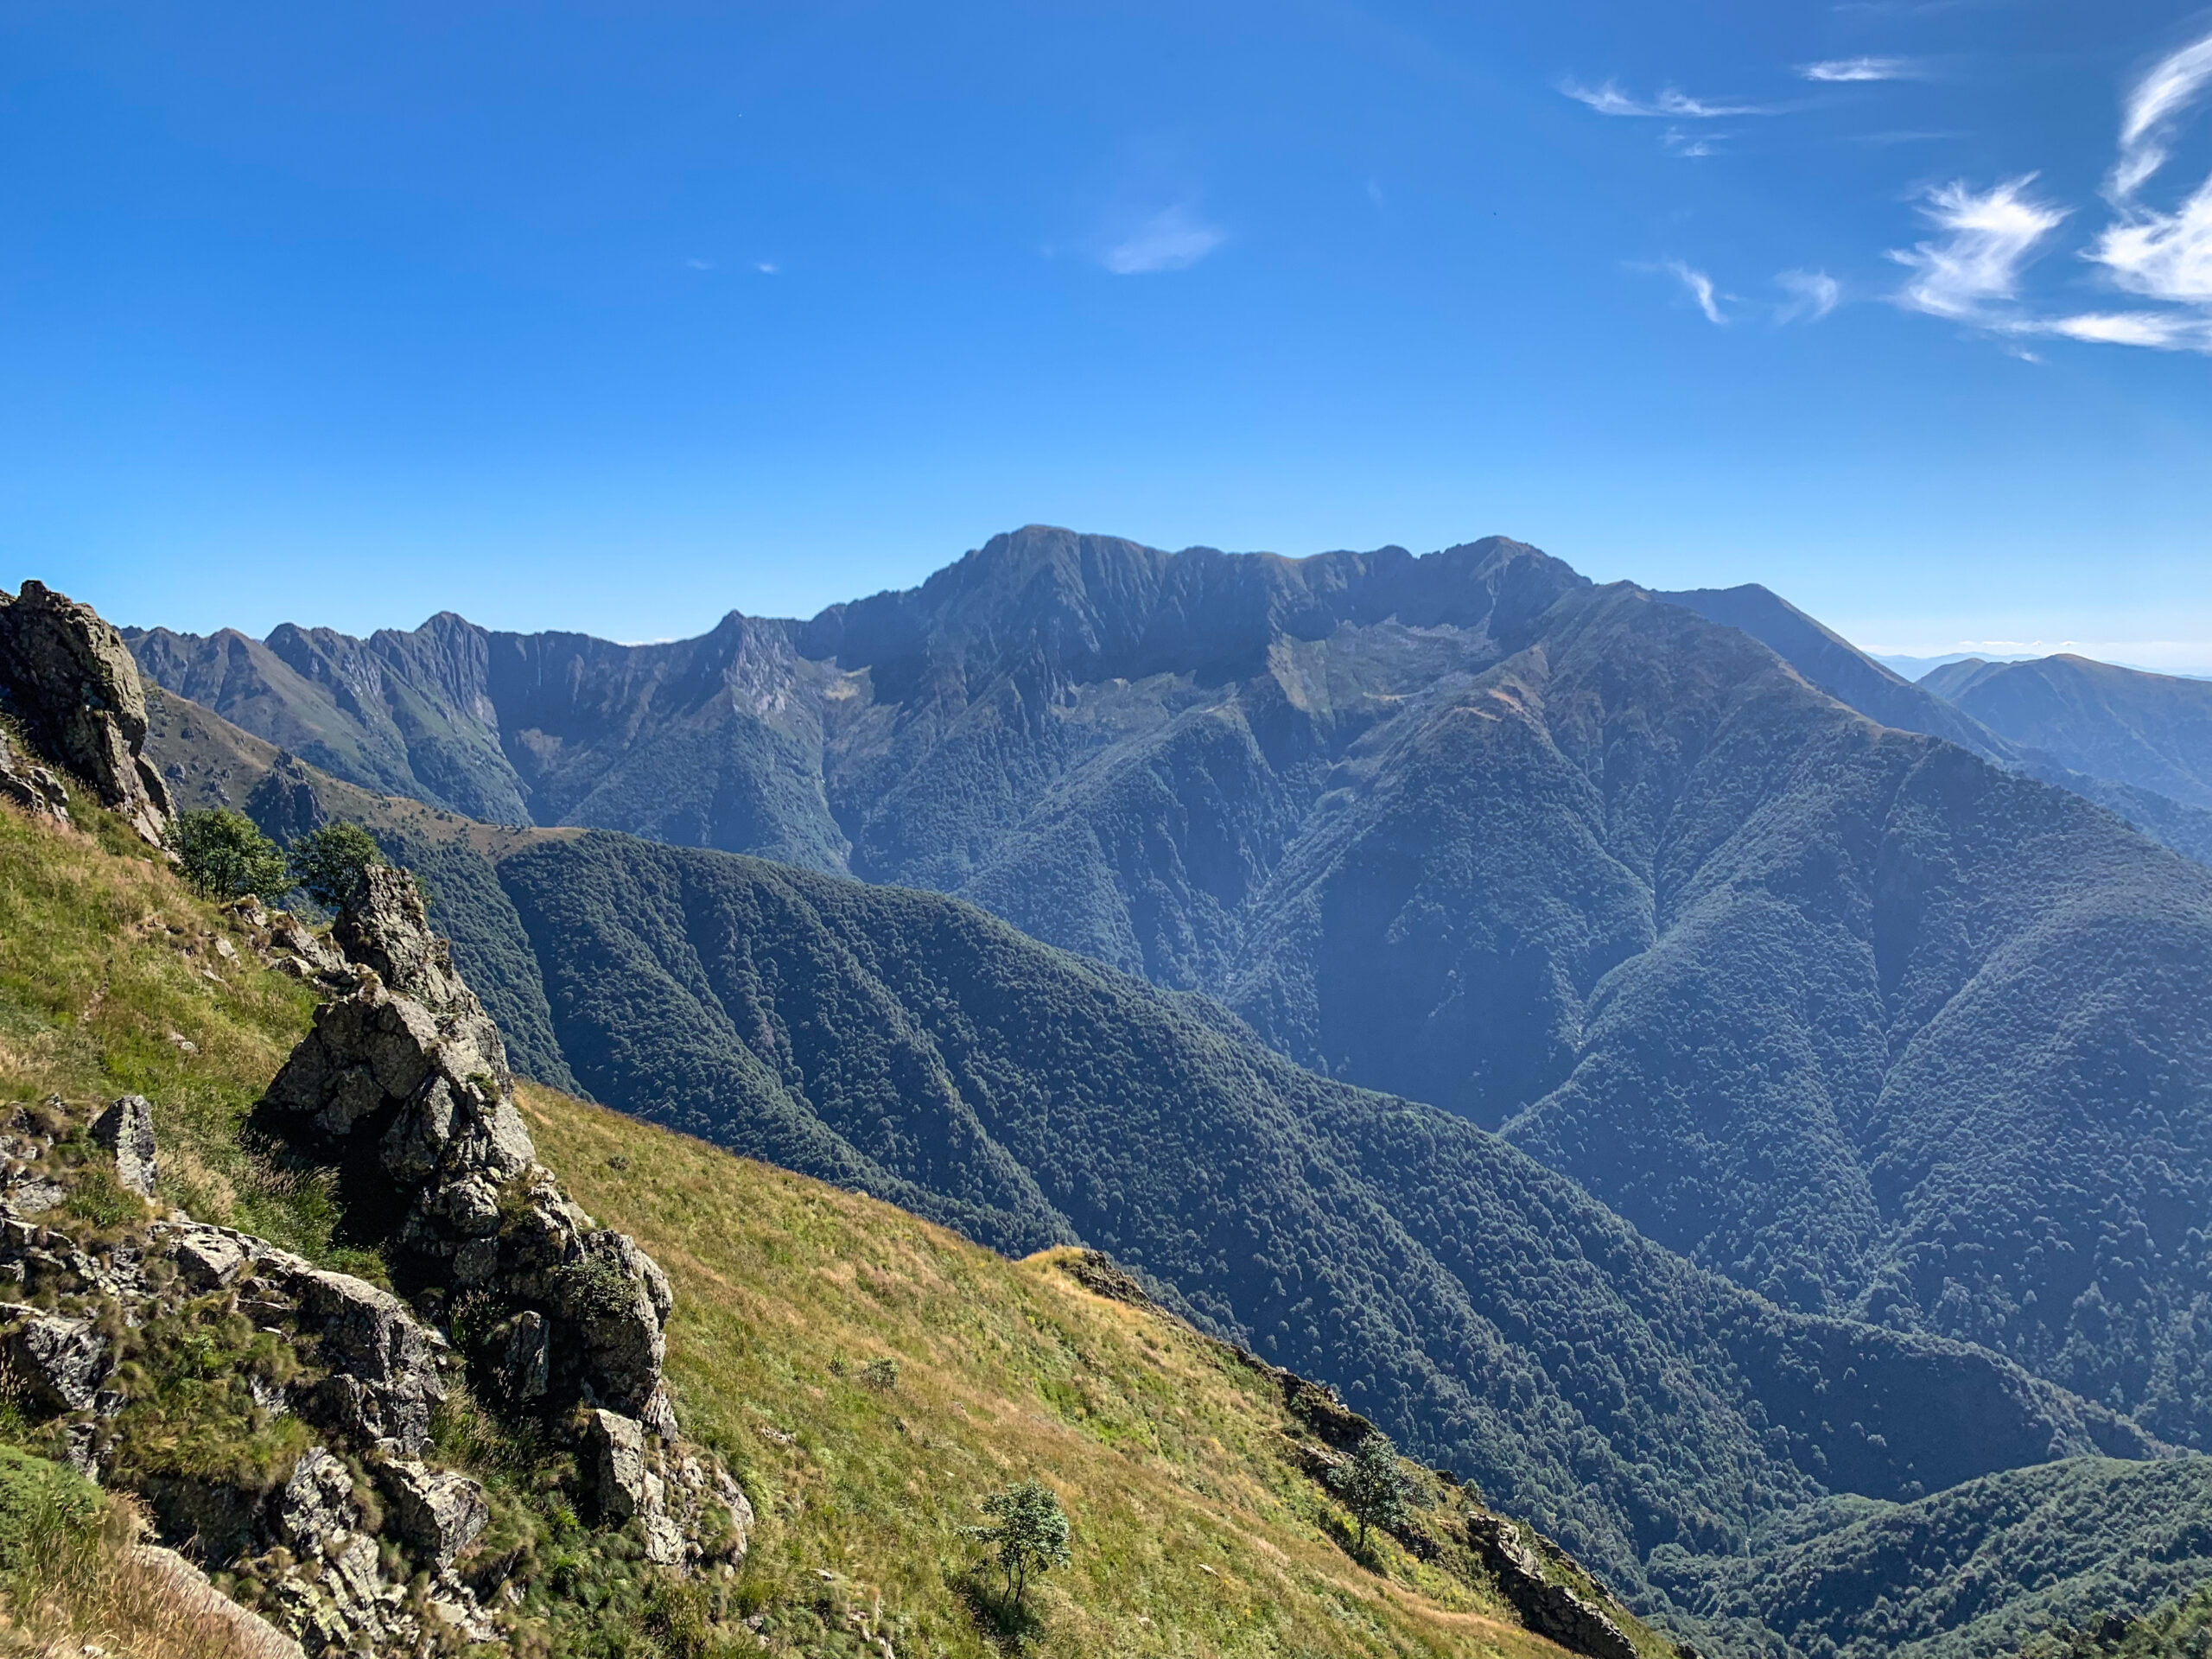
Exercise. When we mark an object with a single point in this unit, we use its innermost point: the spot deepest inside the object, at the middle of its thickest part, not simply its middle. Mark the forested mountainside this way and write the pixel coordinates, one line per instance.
(1844, 1013)
(2132, 752)
(2153, 731)
(1987, 1569)
(1486, 1310)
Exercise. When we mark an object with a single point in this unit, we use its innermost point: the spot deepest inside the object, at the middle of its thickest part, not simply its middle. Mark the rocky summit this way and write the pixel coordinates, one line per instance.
(68, 680)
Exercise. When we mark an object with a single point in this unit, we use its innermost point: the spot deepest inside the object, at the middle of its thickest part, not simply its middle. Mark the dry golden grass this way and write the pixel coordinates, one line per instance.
(86, 1589)
(1194, 1533)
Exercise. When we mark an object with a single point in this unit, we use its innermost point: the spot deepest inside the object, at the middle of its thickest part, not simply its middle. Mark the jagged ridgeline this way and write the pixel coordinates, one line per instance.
(1865, 1017)
(296, 1296)
(1664, 1425)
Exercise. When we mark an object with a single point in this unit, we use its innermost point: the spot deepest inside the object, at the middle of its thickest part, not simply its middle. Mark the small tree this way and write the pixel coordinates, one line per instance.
(1032, 1536)
(328, 862)
(1372, 1485)
(224, 856)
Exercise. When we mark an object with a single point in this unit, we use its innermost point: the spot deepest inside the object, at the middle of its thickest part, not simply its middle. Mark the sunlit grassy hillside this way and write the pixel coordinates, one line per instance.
(1196, 1529)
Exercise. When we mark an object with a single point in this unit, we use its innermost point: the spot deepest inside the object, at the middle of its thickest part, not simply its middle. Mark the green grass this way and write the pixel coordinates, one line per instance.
(1195, 1529)
(112, 983)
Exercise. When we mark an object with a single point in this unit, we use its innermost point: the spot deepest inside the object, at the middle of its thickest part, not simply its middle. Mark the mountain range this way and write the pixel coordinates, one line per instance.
(1669, 1426)
(2153, 731)
(1795, 966)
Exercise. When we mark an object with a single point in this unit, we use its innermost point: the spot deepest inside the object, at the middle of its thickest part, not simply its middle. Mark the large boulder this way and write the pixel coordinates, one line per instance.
(69, 681)
(438, 1511)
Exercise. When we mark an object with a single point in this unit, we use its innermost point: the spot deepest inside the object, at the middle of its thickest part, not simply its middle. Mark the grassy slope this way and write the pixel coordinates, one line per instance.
(1194, 1531)
(1171, 1455)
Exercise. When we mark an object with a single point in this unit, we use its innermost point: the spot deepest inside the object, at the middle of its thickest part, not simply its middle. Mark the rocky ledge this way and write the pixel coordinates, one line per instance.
(356, 1541)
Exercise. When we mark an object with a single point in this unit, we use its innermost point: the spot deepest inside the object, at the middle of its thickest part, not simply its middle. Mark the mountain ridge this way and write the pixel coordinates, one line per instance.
(1508, 858)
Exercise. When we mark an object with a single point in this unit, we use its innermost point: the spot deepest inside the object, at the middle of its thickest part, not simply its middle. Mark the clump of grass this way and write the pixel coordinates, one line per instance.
(70, 1579)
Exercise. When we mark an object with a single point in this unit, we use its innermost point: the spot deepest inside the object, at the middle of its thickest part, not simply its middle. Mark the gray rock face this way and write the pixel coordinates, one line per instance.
(33, 788)
(207, 1258)
(688, 1509)
(409, 1057)
(126, 1128)
(616, 1447)
(438, 1511)
(385, 1380)
(59, 1360)
(1549, 1608)
(318, 1507)
(68, 678)
(520, 1355)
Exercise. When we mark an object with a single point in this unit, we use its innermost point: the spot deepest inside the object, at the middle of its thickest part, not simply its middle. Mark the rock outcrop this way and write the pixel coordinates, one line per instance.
(359, 1367)
(126, 1128)
(68, 680)
(405, 1075)
(1546, 1605)
(57, 1360)
(29, 786)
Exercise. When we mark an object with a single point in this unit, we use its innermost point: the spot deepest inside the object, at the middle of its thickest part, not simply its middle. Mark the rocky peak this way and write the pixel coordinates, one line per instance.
(69, 681)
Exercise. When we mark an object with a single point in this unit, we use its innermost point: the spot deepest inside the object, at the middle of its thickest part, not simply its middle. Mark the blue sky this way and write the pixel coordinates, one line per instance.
(615, 318)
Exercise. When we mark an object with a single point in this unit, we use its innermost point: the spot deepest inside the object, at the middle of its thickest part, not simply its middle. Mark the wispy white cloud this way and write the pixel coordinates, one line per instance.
(1813, 295)
(2146, 130)
(1860, 69)
(2160, 256)
(699, 264)
(1975, 264)
(1173, 239)
(1693, 145)
(2162, 331)
(2163, 256)
(1701, 289)
(766, 267)
(1609, 99)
